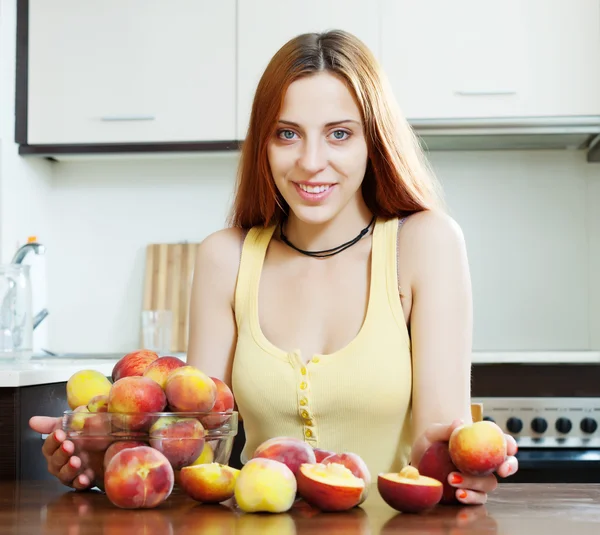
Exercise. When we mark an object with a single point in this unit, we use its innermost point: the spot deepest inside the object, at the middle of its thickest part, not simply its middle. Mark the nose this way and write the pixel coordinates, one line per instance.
(313, 156)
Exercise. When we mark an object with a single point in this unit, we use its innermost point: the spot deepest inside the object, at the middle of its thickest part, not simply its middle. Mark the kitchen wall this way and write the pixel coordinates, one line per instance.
(530, 220)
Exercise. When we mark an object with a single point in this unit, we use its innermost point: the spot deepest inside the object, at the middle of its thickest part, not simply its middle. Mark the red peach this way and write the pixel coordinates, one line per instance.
(322, 454)
(190, 390)
(138, 478)
(436, 463)
(209, 483)
(181, 440)
(160, 369)
(290, 451)
(133, 364)
(224, 403)
(121, 445)
(478, 449)
(408, 491)
(356, 465)
(135, 395)
(329, 487)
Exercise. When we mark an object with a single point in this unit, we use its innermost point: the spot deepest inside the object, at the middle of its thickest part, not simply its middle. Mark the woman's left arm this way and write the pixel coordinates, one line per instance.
(441, 325)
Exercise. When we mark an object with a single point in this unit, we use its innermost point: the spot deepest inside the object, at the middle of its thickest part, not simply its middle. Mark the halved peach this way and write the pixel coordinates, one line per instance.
(209, 483)
(408, 491)
(329, 487)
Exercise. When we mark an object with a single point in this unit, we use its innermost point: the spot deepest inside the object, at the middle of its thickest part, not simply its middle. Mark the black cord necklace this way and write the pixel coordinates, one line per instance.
(326, 252)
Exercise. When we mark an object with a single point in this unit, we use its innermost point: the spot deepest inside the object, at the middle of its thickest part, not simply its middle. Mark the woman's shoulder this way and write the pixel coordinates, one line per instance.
(219, 253)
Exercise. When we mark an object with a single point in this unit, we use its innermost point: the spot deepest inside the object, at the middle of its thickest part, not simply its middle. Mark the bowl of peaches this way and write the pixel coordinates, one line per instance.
(157, 424)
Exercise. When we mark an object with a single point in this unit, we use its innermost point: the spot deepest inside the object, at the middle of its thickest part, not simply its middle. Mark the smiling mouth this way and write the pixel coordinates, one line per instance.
(314, 189)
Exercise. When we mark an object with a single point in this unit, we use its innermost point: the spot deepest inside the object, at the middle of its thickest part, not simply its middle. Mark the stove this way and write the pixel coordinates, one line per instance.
(558, 437)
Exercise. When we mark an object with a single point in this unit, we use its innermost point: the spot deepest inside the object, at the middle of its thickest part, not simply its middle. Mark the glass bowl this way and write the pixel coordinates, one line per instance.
(184, 438)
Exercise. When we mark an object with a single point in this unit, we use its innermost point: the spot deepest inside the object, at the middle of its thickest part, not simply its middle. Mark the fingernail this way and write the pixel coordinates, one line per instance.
(462, 494)
(455, 479)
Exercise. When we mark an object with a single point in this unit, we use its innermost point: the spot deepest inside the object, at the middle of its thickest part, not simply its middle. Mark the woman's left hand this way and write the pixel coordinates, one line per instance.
(470, 489)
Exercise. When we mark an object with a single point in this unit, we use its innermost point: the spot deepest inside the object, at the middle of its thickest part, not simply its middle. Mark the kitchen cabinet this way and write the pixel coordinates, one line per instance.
(510, 58)
(130, 71)
(265, 25)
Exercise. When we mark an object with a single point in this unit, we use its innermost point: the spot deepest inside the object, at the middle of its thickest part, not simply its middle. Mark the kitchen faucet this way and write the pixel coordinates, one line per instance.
(18, 258)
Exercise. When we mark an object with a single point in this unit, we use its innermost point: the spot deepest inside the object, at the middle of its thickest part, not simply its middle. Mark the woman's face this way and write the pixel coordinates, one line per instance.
(318, 154)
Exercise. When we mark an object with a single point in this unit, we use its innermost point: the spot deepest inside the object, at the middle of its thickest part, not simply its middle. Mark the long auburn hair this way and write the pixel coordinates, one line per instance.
(397, 181)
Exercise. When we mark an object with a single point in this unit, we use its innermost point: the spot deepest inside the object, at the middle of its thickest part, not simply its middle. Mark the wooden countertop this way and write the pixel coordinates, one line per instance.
(46, 507)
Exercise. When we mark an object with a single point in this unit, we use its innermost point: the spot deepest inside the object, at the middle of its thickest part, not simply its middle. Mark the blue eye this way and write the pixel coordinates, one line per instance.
(286, 134)
(339, 135)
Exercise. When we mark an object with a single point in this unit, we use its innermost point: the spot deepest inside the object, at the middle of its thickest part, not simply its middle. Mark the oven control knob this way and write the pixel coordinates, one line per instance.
(563, 425)
(588, 425)
(514, 425)
(539, 425)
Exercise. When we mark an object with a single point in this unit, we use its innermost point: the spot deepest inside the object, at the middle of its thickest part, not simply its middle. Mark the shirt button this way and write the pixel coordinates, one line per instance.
(303, 385)
(316, 359)
(303, 370)
(309, 423)
(303, 402)
(304, 414)
(308, 433)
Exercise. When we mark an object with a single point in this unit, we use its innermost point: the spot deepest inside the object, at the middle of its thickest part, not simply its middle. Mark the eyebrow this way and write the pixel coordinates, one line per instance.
(332, 123)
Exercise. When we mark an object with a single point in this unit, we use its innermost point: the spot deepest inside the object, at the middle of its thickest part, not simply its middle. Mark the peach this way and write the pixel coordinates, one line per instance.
(83, 385)
(135, 395)
(265, 485)
(209, 483)
(181, 440)
(89, 431)
(207, 455)
(478, 449)
(98, 403)
(356, 465)
(408, 491)
(159, 369)
(290, 451)
(121, 445)
(224, 403)
(133, 364)
(190, 390)
(329, 487)
(436, 463)
(138, 478)
(321, 454)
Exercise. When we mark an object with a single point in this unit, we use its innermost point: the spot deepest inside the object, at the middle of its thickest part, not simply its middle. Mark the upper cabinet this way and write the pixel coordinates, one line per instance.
(131, 71)
(498, 58)
(265, 25)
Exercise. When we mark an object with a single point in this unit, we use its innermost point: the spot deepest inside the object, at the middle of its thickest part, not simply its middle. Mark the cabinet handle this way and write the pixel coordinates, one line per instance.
(483, 93)
(128, 118)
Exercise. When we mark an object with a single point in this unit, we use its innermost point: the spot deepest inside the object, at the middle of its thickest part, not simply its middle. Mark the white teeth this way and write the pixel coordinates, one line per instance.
(314, 189)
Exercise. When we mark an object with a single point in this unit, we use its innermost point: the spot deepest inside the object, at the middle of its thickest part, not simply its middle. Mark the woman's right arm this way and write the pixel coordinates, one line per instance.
(212, 327)
(212, 339)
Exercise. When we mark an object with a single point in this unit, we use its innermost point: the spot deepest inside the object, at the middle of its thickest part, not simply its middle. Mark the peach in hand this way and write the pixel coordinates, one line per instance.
(135, 394)
(436, 463)
(138, 478)
(181, 440)
(190, 390)
(329, 487)
(265, 485)
(290, 451)
(133, 364)
(478, 449)
(209, 483)
(83, 385)
(159, 369)
(408, 491)
(356, 465)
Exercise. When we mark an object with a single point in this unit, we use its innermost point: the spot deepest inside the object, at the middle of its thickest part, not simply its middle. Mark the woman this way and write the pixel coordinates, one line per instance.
(338, 303)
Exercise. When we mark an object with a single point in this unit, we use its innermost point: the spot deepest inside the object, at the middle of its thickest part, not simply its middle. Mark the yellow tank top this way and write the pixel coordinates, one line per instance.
(356, 399)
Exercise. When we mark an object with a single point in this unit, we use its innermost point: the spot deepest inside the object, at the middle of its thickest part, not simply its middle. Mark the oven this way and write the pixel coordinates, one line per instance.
(552, 411)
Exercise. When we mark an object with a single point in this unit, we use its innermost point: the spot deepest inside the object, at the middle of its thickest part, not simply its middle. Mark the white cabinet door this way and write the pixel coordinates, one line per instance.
(127, 71)
(265, 25)
(474, 58)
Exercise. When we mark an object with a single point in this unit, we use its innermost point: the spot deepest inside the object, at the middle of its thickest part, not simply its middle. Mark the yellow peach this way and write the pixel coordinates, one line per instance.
(84, 385)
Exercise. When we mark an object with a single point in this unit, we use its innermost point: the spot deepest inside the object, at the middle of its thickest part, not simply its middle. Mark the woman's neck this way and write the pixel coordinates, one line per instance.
(318, 237)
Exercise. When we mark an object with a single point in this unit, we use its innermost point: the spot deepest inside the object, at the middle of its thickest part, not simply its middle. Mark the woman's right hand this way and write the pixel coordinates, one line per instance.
(59, 453)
